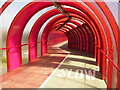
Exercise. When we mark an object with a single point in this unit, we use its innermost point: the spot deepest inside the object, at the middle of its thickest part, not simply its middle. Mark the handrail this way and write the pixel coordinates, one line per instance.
(18, 46)
(26, 44)
(111, 61)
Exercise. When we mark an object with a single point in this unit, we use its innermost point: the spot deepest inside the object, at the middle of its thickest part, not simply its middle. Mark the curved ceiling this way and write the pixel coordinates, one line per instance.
(98, 29)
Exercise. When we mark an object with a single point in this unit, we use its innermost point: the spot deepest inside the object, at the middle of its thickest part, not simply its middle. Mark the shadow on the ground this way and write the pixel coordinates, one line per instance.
(76, 52)
(77, 59)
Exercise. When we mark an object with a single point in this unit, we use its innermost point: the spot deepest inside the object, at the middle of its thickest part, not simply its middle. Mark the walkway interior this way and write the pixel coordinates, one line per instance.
(60, 68)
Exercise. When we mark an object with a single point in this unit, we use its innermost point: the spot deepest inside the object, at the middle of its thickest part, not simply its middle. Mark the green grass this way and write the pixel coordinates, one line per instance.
(24, 60)
(3, 57)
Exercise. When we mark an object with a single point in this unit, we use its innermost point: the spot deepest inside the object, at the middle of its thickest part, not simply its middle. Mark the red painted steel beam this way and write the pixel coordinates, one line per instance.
(87, 40)
(85, 32)
(104, 39)
(91, 39)
(36, 32)
(110, 45)
(99, 15)
(110, 18)
(5, 5)
(84, 37)
(98, 55)
(51, 22)
(68, 34)
(77, 32)
(80, 44)
(73, 34)
(37, 7)
(15, 59)
(118, 75)
(76, 41)
(115, 29)
(104, 71)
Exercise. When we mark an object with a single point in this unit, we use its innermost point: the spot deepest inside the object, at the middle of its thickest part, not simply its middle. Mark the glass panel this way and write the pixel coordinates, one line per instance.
(39, 50)
(3, 59)
(24, 54)
(3, 62)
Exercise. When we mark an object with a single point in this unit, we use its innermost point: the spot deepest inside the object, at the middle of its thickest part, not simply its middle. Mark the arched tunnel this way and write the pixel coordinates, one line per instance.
(60, 44)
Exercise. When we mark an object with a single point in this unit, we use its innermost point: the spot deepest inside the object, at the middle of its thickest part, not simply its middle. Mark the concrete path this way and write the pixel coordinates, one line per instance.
(32, 75)
(78, 70)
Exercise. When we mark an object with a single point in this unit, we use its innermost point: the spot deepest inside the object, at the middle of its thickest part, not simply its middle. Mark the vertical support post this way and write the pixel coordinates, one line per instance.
(110, 69)
(103, 66)
(43, 47)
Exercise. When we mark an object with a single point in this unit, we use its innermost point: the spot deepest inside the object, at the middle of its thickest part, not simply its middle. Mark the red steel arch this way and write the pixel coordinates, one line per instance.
(83, 32)
(86, 32)
(10, 44)
(8, 40)
(34, 33)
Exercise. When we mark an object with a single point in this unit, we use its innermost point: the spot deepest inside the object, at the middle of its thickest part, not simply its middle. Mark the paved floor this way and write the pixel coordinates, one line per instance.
(32, 75)
(79, 70)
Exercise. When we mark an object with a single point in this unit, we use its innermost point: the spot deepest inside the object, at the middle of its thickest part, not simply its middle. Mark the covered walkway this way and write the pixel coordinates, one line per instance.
(78, 70)
(44, 71)
(62, 44)
(32, 75)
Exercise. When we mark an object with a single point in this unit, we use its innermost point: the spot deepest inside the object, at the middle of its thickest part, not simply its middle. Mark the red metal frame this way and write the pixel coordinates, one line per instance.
(37, 27)
(115, 29)
(84, 32)
(76, 45)
(8, 40)
(88, 13)
(5, 5)
(109, 41)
